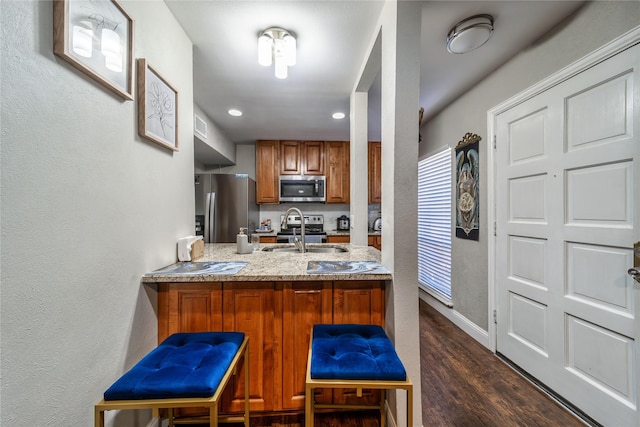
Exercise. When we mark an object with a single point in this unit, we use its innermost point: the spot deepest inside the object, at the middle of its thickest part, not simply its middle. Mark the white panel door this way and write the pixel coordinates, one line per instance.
(567, 210)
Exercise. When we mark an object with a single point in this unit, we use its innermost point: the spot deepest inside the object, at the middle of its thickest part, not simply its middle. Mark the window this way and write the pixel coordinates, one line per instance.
(434, 224)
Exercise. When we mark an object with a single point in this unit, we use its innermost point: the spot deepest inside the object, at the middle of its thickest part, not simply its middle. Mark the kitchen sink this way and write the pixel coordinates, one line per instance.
(329, 249)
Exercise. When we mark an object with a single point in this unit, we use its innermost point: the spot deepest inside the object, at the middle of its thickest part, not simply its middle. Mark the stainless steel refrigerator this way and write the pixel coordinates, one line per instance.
(224, 203)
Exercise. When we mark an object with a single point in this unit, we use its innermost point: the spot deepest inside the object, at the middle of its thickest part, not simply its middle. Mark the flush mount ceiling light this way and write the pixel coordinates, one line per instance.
(469, 34)
(278, 46)
(338, 116)
(234, 112)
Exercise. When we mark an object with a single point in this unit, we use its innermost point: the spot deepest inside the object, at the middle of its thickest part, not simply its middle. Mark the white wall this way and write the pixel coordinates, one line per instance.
(87, 207)
(589, 28)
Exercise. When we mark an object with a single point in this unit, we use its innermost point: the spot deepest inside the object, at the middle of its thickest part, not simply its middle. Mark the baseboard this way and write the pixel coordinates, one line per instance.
(470, 328)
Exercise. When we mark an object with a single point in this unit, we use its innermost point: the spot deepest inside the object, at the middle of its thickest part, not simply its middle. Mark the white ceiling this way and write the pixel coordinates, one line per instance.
(333, 37)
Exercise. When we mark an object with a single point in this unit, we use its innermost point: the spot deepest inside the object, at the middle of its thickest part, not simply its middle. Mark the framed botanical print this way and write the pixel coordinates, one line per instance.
(157, 107)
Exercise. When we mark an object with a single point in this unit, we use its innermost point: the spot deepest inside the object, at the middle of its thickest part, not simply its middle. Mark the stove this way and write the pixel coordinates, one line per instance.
(313, 228)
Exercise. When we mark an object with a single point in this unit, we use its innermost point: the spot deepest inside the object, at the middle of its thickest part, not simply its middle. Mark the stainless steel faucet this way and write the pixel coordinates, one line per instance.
(300, 244)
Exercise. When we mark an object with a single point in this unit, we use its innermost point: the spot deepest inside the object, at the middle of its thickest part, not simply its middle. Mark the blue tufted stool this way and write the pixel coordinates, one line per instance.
(353, 356)
(185, 370)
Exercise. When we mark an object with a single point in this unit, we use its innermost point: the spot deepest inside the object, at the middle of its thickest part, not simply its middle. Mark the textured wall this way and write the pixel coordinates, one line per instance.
(87, 207)
(591, 27)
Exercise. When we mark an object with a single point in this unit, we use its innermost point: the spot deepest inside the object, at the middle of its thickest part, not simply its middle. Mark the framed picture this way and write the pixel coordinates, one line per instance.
(96, 37)
(468, 187)
(157, 107)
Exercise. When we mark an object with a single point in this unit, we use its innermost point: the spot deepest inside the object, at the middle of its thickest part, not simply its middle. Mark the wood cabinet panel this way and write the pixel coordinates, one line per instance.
(249, 307)
(338, 239)
(359, 302)
(337, 171)
(189, 307)
(267, 169)
(290, 158)
(376, 242)
(375, 172)
(304, 305)
(302, 158)
(268, 239)
(313, 158)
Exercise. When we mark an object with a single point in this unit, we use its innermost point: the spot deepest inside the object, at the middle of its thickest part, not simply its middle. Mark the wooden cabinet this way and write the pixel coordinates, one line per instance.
(249, 307)
(301, 158)
(376, 242)
(339, 239)
(304, 305)
(189, 307)
(277, 317)
(268, 239)
(375, 172)
(267, 169)
(337, 171)
(359, 302)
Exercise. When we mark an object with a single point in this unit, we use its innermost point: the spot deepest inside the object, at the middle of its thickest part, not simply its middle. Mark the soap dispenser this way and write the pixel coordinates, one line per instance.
(242, 241)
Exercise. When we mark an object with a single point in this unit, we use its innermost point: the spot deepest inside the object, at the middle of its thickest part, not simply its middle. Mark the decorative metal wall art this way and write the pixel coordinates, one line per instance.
(467, 187)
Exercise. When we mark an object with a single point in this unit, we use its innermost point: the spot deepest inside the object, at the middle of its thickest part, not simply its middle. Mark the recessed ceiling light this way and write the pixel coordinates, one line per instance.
(234, 112)
(338, 116)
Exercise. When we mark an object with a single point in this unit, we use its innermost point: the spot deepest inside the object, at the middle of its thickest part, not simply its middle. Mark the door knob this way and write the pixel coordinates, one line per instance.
(635, 273)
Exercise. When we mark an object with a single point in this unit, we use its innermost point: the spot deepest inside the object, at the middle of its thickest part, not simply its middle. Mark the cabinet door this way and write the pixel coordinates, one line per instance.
(249, 307)
(304, 305)
(268, 239)
(359, 302)
(267, 165)
(290, 158)
(375, 172)
(313, 158)
(338, 239)
(189, 307)
(337, 168)
(376, 242)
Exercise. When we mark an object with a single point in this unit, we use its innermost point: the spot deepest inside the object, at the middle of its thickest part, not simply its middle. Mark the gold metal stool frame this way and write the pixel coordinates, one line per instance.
(190, 402)
(359, 385)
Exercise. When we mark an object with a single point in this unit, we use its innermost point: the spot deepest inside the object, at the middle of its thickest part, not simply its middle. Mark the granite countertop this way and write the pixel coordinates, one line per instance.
(274, 266)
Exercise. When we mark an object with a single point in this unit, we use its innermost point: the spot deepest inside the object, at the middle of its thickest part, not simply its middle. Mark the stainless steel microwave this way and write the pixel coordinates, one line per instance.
(302, 188)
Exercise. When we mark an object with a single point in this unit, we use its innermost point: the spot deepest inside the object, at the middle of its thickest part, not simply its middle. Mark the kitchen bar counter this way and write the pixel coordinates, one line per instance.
(273, 266)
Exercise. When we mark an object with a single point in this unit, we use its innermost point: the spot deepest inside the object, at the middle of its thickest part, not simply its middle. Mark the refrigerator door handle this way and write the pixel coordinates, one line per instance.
(209, 219)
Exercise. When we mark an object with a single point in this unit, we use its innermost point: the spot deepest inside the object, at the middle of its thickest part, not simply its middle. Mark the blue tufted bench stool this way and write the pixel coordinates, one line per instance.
(185, 370)
(353, 356)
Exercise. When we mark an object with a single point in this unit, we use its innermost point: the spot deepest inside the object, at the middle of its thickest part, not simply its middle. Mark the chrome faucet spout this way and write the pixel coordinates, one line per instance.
(300, 244)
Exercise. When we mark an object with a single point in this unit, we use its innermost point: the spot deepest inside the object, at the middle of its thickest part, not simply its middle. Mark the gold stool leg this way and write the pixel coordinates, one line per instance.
(309, 407)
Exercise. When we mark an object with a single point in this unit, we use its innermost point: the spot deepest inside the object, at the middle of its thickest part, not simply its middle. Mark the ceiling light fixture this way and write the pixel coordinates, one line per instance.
(235, 113)
(277, 45)
(469, 34)
(338, 116)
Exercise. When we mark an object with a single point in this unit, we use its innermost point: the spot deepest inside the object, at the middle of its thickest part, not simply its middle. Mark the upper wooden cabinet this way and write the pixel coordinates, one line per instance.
(267, 171)
(375, 172)
(301, 158)
(337, 171)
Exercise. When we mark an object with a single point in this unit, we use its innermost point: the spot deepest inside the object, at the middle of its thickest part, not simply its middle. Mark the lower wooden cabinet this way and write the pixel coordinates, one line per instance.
(338, 239)
(249, 307)
(277, 317)
(268, 239)
(376, 242)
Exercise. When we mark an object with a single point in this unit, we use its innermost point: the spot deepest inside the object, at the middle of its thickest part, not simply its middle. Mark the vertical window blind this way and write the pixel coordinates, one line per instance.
(434, 223)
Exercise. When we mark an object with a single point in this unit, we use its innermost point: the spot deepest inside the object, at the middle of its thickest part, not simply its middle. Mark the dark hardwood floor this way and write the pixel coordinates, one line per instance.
(463, 384)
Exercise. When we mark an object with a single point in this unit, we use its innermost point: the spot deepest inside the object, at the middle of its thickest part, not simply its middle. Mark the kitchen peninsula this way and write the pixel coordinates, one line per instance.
(275, 298)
